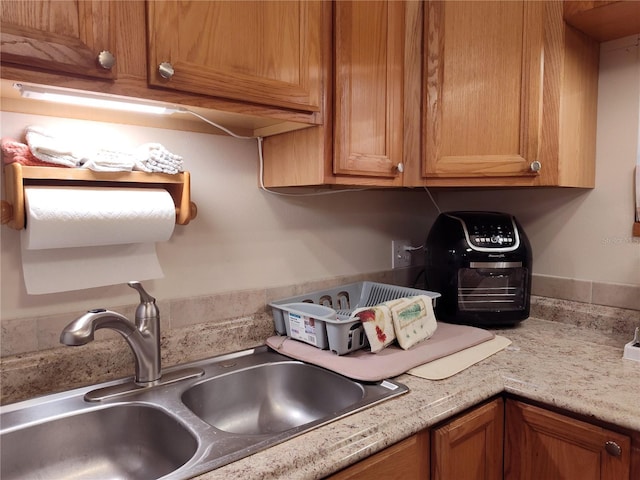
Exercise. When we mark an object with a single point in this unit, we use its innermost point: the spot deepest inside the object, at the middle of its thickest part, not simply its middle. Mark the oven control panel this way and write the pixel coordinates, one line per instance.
(490, 232)
(492, 235)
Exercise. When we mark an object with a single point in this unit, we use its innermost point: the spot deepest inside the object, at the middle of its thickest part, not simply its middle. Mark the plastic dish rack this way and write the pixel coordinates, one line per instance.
(322, 318)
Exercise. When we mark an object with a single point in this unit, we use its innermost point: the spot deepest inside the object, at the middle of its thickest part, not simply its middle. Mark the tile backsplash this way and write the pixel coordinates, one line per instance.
(21, 335)
(33, 361)
(586, 291)
(24, 335)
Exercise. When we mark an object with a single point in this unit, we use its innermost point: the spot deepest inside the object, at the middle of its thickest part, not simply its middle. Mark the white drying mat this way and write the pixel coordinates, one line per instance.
(390, 362)
(450, 365)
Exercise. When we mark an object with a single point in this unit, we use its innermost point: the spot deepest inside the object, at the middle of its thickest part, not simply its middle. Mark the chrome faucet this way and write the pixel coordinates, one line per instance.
(143, 337)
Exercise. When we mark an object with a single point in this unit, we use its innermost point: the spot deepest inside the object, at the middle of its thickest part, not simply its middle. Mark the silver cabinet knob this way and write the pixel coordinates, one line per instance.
(613, 449)
(165, 69)
(535, 166)
(106, 59)
(400, 167)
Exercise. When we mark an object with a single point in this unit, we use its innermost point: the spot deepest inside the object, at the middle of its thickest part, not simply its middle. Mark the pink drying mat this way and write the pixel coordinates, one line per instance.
(390, 362)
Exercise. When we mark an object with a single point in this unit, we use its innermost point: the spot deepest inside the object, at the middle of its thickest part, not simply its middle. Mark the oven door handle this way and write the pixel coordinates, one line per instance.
(495, 264)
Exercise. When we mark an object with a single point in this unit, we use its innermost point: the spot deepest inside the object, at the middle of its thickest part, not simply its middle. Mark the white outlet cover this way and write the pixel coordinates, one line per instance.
(400, 258)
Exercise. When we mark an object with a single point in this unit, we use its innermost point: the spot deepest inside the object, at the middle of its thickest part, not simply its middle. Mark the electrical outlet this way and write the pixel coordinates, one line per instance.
(400, 257)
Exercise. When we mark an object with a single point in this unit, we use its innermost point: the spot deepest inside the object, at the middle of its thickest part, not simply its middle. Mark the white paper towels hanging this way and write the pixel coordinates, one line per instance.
(84, 237)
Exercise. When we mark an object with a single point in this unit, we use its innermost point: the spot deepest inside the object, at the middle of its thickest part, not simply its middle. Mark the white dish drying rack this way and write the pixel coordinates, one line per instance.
(323, 318)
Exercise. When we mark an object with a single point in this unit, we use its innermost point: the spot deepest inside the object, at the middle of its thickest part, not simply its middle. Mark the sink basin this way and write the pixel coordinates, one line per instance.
(241, 403)
(271, 398)
(122, 441)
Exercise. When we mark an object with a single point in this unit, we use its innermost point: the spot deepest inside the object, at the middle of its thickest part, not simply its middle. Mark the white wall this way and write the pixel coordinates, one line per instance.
(585, 234)
(244, 238)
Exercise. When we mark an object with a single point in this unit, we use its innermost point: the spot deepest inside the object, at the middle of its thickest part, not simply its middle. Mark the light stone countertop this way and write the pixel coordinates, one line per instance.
(554, 363)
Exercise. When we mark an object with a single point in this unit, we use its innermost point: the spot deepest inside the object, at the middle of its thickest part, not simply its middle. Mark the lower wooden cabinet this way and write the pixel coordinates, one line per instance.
(543, 444)
(406, 460)
(470, 446)
(506, 439)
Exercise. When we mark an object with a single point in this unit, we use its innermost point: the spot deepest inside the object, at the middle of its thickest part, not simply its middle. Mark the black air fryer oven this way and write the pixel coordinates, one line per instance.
(481, 264)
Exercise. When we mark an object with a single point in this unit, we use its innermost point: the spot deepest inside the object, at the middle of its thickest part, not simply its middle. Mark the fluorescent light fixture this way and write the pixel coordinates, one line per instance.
(97, 100)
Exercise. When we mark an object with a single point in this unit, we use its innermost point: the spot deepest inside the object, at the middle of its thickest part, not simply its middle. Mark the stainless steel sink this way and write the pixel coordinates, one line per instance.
(245, 402)
(271, 398)
(122, 441)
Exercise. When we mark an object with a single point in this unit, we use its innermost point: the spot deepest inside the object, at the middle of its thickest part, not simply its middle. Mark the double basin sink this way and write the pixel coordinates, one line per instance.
(236, 405)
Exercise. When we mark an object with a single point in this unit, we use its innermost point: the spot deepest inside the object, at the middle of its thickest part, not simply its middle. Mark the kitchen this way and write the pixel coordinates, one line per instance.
(246, 246)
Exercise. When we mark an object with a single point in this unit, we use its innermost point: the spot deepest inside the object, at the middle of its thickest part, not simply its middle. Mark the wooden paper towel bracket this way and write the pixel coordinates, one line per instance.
(16, 176)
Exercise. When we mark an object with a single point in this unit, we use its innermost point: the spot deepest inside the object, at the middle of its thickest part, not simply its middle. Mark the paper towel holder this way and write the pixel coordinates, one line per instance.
(16, 176)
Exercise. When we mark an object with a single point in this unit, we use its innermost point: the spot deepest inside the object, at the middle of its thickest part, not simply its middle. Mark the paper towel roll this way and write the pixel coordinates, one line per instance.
(66, 269)
(62, 217)
(79, 238)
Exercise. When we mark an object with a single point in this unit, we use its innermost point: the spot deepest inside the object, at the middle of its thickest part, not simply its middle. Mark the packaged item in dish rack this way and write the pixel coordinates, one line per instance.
(413, 320)
(307, 322)
(377, 324)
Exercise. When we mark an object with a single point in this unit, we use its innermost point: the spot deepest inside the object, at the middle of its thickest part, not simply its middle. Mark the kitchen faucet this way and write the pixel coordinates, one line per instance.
(143, 337)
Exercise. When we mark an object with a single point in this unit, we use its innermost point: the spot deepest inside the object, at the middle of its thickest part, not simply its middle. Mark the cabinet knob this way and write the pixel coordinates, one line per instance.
(106, 59)
(400, 167)
(165, 69)
(613, 448)
(535, 166)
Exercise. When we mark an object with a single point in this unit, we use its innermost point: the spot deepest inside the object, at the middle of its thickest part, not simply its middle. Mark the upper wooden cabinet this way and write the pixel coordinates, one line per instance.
(362, 139)
(490, 94)
(604, 19)
(260, 61)
(483, 87)
(509, 96)
(368, 111)
(60, 36)
(254, 51)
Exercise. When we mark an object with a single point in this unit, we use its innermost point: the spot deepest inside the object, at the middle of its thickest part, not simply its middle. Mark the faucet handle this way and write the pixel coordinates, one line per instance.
(147, 310)
(144, 296)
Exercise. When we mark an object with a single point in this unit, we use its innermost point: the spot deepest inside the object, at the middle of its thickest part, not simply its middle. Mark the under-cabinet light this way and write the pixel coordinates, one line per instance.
(93, 100)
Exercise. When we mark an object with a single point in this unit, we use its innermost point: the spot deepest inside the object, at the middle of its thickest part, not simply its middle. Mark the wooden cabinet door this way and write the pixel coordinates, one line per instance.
(60, 36)
(604, 20)
(406, 460)
(470, 446)
(368, 101)
(542, 444)
(267, 53)
(482, 91)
